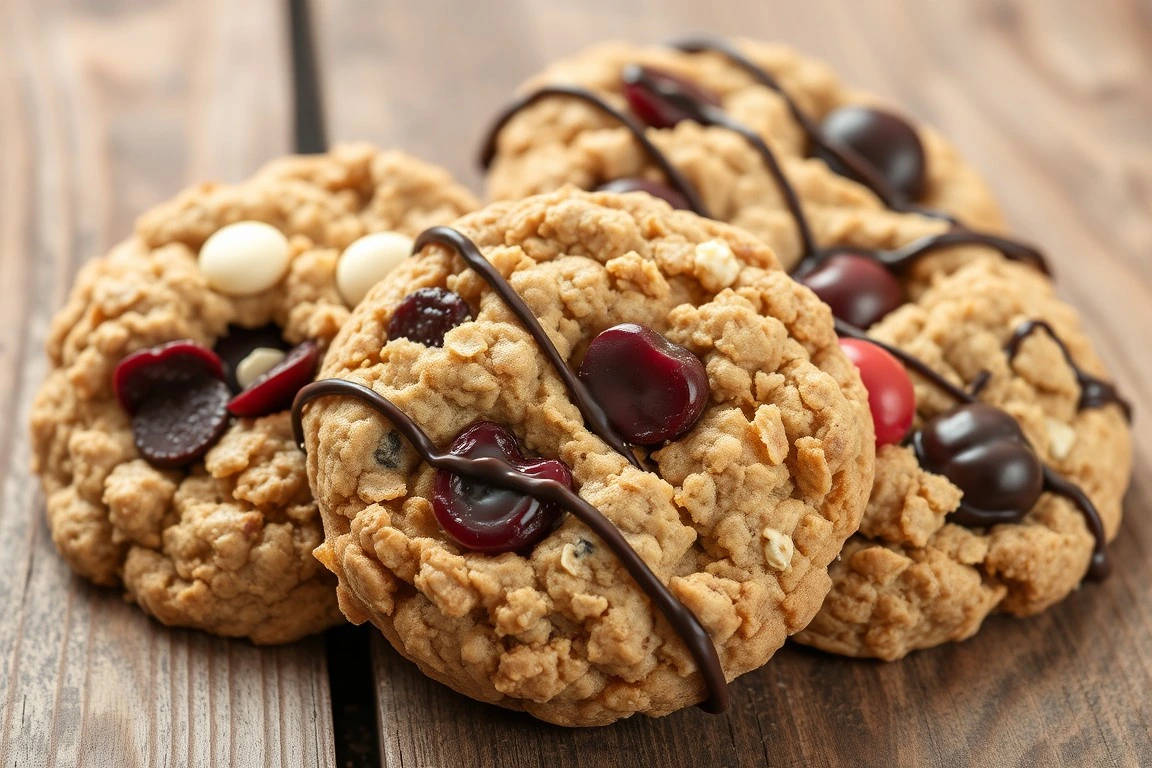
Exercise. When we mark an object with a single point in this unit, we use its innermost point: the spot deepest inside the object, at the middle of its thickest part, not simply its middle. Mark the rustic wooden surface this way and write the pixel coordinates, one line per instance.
(109, 106)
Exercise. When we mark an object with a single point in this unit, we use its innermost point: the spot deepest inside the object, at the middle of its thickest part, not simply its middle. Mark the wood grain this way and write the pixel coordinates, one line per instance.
(1050, 100)
(105, 109)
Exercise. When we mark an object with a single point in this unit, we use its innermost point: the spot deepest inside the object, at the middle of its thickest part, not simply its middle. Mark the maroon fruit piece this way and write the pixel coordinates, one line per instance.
(651, 389)
(886, 142)
(859, 290)
(239, 342)
(484, 518)
(168, 366)
(891, 398)
(273, 391)
(661, 99)
(983, 451)
(426, 314)
(654, 188)
(177, 424)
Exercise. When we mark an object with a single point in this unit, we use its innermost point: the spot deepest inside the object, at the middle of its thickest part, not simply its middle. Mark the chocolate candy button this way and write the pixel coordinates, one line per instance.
(176, 426)
(887, 143)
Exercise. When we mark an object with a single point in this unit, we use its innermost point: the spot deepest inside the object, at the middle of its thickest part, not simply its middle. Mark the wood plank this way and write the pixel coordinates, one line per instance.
(105, 109)
(1049, 99)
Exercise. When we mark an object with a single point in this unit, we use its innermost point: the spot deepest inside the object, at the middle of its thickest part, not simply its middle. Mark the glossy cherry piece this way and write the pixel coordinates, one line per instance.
(239, 342)
(859, 290)
(274, 389)
(167, 366)
(661, 99)
(651, 389)
(654, 188)
(983, 451)
(889, 144)
(891, 398)
(483, 518)
(426, 314)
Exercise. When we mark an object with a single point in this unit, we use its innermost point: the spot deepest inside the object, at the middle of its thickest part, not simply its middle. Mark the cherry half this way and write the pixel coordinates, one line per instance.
(274, 389)
(178, 401)
(654, 188)
(426, 314)
(859, 290)
(661, 99)
(651, 389)
(891, 398)
(983, 452)
(889, 144)
(483, 518)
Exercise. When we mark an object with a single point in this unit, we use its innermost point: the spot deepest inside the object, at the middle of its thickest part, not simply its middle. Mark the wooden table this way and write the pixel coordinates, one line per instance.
(109, 107)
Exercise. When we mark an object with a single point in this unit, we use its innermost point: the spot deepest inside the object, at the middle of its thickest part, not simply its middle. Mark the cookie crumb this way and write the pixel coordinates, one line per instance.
(715, 266)
(778, 549)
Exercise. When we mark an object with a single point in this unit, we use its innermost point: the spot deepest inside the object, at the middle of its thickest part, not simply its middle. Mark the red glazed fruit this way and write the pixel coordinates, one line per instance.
(654, 188)
(651, 389)
(890, 395)
(859, 290)
(662, 99)
(273, 391)
(483, 518)
(167, 366)
(425, 315)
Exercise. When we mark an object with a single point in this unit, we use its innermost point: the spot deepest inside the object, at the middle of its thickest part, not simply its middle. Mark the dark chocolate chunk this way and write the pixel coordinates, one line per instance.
(177, 425)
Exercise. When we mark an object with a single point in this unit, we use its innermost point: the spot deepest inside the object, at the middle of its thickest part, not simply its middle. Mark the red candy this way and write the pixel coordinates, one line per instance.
(169, 365)
(859, 290)
(890, 395)
(651, 389)
(483, 518)
(274, 390)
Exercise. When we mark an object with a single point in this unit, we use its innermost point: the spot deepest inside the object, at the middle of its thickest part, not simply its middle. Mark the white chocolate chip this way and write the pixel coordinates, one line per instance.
(367, 261)
(257, 363)
(1061, 436)
(715, 266)
(245, 258)
(778, 549)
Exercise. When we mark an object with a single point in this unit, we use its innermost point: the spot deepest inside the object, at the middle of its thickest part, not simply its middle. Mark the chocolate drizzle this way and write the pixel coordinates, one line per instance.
(1101, 566)
(677, 179)
(495, 472)
(1094, 392)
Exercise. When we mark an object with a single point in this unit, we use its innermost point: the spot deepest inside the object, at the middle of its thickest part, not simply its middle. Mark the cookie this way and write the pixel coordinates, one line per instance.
(592, 120)
(926, 568)
(161, 434)
(690, 446)
(870, 223)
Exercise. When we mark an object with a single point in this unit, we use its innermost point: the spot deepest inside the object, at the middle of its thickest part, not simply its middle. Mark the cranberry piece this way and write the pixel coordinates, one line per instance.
(239, 342)
(662, 99)
(273, 391)
(983, 451)
(651, 389)
(859, 290)
(168, 366)
(890, 145)
(178, 423)
(426, 314)
(890, 395)
(484, 518)
(654, 188)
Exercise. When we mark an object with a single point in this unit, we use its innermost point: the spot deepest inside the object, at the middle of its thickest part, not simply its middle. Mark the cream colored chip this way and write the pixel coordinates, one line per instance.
(245, 258)
(258, 362)
(1060, 438)
(368, 261)
(716, 267)
(778, 549)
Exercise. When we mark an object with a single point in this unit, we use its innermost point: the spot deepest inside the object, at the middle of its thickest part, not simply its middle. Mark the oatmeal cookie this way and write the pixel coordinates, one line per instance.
(913, 578)
(565, 138)
(736, 509)
(207, 521)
